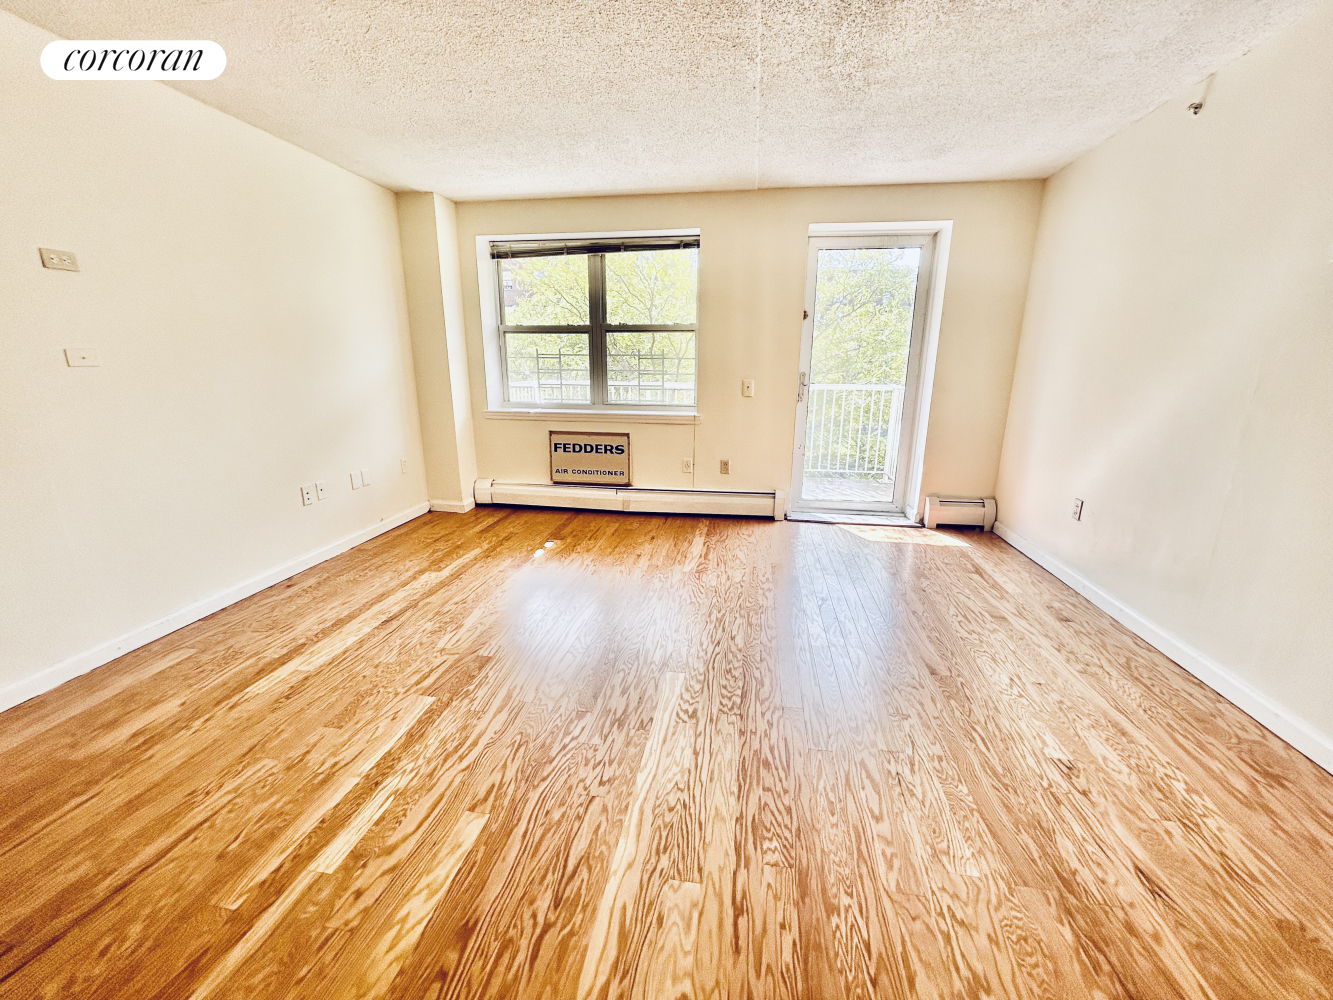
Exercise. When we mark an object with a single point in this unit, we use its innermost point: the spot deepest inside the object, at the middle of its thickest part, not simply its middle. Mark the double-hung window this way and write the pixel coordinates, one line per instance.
(600, 322)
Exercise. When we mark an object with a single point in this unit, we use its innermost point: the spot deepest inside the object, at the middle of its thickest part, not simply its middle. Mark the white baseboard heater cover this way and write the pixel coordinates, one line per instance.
(639, 501)
(979, 511)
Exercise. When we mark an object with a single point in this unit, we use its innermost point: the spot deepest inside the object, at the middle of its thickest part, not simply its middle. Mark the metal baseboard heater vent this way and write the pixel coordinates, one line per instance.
(979, 511)
(638, 501)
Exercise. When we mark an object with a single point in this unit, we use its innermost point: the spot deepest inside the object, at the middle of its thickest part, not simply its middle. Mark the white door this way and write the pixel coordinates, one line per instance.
(866, 303)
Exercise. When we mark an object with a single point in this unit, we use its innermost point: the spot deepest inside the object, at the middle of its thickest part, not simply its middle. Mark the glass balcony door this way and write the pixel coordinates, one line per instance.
(864, 316)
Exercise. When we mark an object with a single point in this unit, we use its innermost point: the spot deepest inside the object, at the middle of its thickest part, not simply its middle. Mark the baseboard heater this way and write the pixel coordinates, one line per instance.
(960, 510)
(639, 501)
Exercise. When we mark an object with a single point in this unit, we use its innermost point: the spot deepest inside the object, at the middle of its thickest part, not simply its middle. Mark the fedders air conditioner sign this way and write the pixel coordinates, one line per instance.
(590, 458)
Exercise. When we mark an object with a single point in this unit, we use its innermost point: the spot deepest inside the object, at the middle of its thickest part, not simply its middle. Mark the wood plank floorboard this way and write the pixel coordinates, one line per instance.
(542, 755)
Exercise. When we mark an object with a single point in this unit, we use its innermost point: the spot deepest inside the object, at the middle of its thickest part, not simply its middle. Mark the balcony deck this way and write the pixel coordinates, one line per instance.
(820, 490)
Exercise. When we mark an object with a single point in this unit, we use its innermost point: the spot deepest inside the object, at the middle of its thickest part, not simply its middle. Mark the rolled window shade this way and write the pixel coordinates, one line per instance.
(556, 248)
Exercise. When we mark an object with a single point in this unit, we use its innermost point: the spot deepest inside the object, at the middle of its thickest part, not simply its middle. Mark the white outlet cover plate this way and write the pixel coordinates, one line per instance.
(83, 357)
(58, 260)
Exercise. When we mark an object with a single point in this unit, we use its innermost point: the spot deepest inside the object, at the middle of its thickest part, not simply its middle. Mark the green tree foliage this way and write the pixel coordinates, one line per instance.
(655, 287)
(546, 291)
(863, 316)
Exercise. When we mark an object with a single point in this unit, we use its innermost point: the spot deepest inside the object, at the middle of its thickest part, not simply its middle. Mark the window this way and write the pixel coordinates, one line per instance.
(607, 322)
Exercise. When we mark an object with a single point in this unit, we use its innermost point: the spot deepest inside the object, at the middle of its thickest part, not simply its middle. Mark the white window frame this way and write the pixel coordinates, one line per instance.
(493, 341)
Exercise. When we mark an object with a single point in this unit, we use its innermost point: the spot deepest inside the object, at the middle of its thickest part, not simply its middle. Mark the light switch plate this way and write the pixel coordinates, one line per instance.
(365, 477)
(747, 387)
(1078, 510)
(356, 480)
(307, 495)
(321, 491)
(58, 260)
(82, 357)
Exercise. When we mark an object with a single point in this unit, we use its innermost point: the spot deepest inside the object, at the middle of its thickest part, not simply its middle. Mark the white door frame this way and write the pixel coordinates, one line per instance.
(933, 238)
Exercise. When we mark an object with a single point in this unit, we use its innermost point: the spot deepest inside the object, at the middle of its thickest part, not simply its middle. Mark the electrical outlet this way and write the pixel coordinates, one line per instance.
(1078, 510)
(307, 495)
(747, 387)
(58, 260)
(724, 466)
(402, 464)
(356, 480)
(687, 465)
(365, 477)
(82, 357)
(321, 491)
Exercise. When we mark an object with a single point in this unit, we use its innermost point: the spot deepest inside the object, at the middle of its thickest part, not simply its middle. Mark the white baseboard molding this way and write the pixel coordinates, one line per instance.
(633, 500)
(1273, 716)
(453, 506)
(44, 680)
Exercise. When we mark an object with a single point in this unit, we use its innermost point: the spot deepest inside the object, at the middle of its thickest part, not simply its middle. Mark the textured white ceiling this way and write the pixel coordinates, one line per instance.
(518, 98)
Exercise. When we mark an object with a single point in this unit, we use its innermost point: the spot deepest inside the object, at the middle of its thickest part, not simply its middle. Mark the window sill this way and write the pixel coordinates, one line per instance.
(623, 416)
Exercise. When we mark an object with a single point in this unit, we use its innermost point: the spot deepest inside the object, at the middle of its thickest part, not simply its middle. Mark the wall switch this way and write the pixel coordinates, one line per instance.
(356, 480)
(82, 357)
(747, 387)
(1078, 510)
(687, 465)
(365, 477)
(307, 495)
(724, 466)
(402, 464)
(321, 491)
(58, 260)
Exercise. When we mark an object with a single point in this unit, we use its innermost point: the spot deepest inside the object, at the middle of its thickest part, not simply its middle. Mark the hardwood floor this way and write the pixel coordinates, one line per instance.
(536, 754)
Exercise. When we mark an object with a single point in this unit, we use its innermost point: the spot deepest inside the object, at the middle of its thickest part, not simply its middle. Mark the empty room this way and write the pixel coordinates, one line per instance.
(662, 500)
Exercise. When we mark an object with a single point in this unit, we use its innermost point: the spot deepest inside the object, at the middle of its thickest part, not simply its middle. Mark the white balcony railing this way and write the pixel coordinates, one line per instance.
(852, 431)
(640, 377)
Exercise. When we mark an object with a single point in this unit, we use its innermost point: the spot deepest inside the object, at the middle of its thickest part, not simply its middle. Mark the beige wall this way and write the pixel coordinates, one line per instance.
(1176, 372)
(752, 268)
(247, 299)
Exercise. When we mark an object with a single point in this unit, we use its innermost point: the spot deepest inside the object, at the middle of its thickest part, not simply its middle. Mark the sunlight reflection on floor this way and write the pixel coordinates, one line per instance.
(904, 536)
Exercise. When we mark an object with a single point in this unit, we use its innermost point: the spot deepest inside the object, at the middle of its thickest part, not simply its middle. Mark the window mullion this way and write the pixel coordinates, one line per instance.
(597, 334)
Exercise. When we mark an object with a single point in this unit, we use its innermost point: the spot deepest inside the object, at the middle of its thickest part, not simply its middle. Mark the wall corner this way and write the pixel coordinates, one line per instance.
(427, 226)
